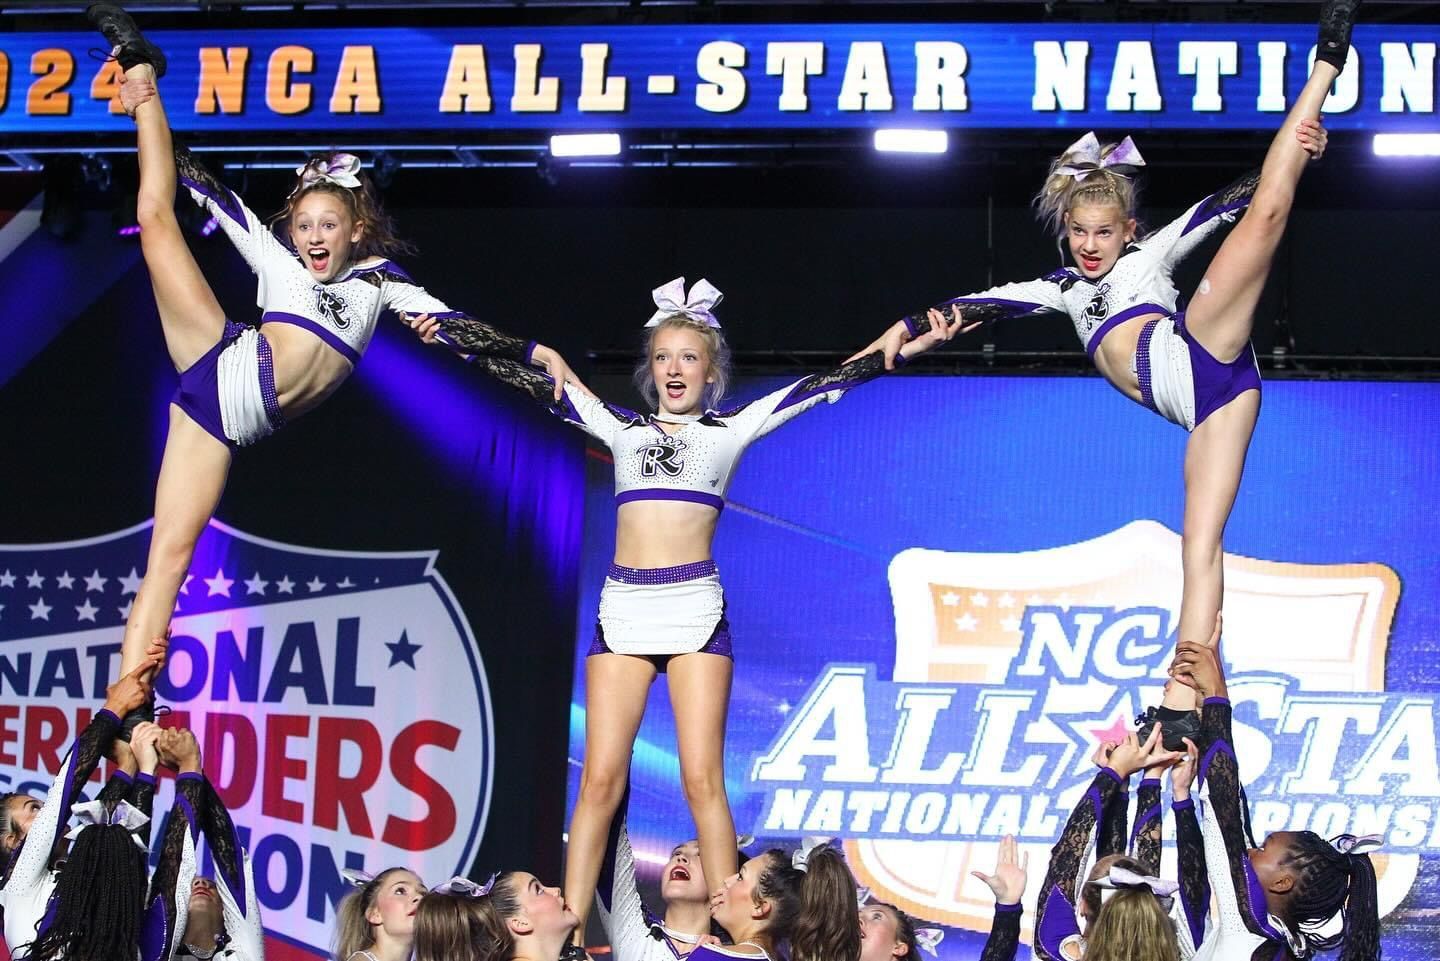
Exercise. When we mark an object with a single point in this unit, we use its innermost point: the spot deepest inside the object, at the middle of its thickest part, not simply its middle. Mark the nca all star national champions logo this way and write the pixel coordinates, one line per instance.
(339, 700)
(1011, 668)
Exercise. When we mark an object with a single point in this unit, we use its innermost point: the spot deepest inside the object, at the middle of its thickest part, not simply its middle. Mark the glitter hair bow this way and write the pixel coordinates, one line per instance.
(671, 300)
(1083, 158)
(342, 169)
(800, 860)
(928, 940)
(862, 894)
(465, 886)
(743, 841)
(356, 878)
(1121, 878)
(95, 812)
(1364, 844)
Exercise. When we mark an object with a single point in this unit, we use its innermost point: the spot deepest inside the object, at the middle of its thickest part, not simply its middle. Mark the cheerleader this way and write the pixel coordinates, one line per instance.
(511, 917)
(1279, 899)
(662, 608)
(1194, 366)
(321, 291)
(376, 921)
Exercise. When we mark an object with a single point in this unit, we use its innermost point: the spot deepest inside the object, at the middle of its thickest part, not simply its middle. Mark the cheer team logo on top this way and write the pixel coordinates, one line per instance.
(343, 712)
(1010, 668)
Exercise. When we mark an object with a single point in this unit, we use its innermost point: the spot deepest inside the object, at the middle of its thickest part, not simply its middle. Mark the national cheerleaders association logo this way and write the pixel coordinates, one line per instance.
(1011, 668)
(339, 700)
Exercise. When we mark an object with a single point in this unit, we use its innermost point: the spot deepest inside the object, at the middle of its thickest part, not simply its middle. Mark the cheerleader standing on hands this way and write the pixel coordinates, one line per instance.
(1195, 367)
(662, 607)
(320, 300)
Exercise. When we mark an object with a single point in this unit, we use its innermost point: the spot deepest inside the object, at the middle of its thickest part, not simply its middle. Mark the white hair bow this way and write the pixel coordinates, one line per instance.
(1084, 158)
(356, 877)
(929, 940)
(94, 812)
(671, 300)
(1364, 844)
(342, 169)
(465, 886)
(743, 841)
(1121, 878)
(800, 860)
(862, 894)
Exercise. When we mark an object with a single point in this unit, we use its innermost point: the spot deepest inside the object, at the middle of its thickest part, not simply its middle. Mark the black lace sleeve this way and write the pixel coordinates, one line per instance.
(1004, 939)
(1194, 882)
(181, 825)
(1025, 298)
(1055, 915)
(472, 336)
(536, 384)
(1145, 840)
(1220, 770)
(1114, 824)
(220, 835)
(189, 168)
(142, 799)
(89, 748)
(116, 789)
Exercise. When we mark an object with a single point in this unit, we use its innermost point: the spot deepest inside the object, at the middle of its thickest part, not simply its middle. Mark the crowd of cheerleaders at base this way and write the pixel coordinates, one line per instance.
(321, 291)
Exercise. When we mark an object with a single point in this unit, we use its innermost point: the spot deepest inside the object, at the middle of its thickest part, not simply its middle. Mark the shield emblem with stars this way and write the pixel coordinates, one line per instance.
(338, 696)
(964, 617)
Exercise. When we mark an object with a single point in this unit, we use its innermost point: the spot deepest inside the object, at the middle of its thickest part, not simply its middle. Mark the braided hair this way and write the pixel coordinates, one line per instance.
(1329, 882)
(99, 901)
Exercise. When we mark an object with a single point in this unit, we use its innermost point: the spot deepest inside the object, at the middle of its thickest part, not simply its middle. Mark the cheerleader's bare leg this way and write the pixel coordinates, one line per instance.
(700, 698)
(616, 688)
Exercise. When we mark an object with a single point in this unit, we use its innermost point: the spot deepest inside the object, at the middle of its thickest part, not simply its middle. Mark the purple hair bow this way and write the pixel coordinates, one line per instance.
(466, 887)
(1084, 158)
(928, 940)
(342, 169)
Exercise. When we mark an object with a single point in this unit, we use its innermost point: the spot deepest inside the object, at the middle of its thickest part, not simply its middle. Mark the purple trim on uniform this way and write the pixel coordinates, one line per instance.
(398, 269)
(1008, 908)
(127, 778)
(901, 360)
(268, 394)
(530, 353)
(1023, 306)
(229, 205)
(316, 328)
(909, 323)
(1150, 781)
(48, 918)
(1255, 897)
(664, 494)
(1218, 747)
(1122, 781)
(189, 812)
(106, 712)
(1057, 922)
(1217, 383)
(662, 575)
(1142, 364)
(1202, 214)
(199, 392)
(1110, 323)
(803, 391)
(145, 778)
(154, 932)
(1216, 700)
(1151, 812)
(1186, 804)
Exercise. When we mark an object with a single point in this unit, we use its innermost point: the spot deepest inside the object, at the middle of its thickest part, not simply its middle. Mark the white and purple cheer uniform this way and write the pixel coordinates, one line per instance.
(231, 390)
(1178, 378)
(662, 612)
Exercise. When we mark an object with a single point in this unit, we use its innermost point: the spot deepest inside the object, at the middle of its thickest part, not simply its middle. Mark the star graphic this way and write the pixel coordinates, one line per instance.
(65, 581)
(1010, 624)
(255, 585)
(979, 599)
(124, 610)
(949, 598)
(130, 583)
(185, 587)
(315, 584)
(402, 651)
(34, 580)
(95, 582)
(1064, 601)
(1005, 600)
(219, 584)
(7, 579)
(40, 611)
(347, 582)
(86, 611)
(1034, 600)
(285, 585)
(966, 622)
(1117, 730)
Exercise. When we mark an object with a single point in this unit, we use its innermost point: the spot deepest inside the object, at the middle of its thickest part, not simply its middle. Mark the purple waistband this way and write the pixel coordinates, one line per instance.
(661, 575)
(1110, 323)
(1143, 371)
(315, 327)
(268, 393)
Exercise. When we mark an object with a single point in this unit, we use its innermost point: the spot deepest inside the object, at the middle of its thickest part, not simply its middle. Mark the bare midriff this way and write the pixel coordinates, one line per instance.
(307, 370)
(1115, 357)
(663, 533)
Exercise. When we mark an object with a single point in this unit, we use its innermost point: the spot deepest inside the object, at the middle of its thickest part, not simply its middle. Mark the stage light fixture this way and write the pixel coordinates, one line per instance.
(1406, 145)
(585, 145)
(900, 140)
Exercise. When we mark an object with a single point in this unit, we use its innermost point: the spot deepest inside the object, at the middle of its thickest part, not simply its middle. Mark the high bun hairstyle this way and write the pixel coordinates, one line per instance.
(450, 925)
(1063, 191)
(1329, 882)
(99, 900)
(716, 349)
(379, 238)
